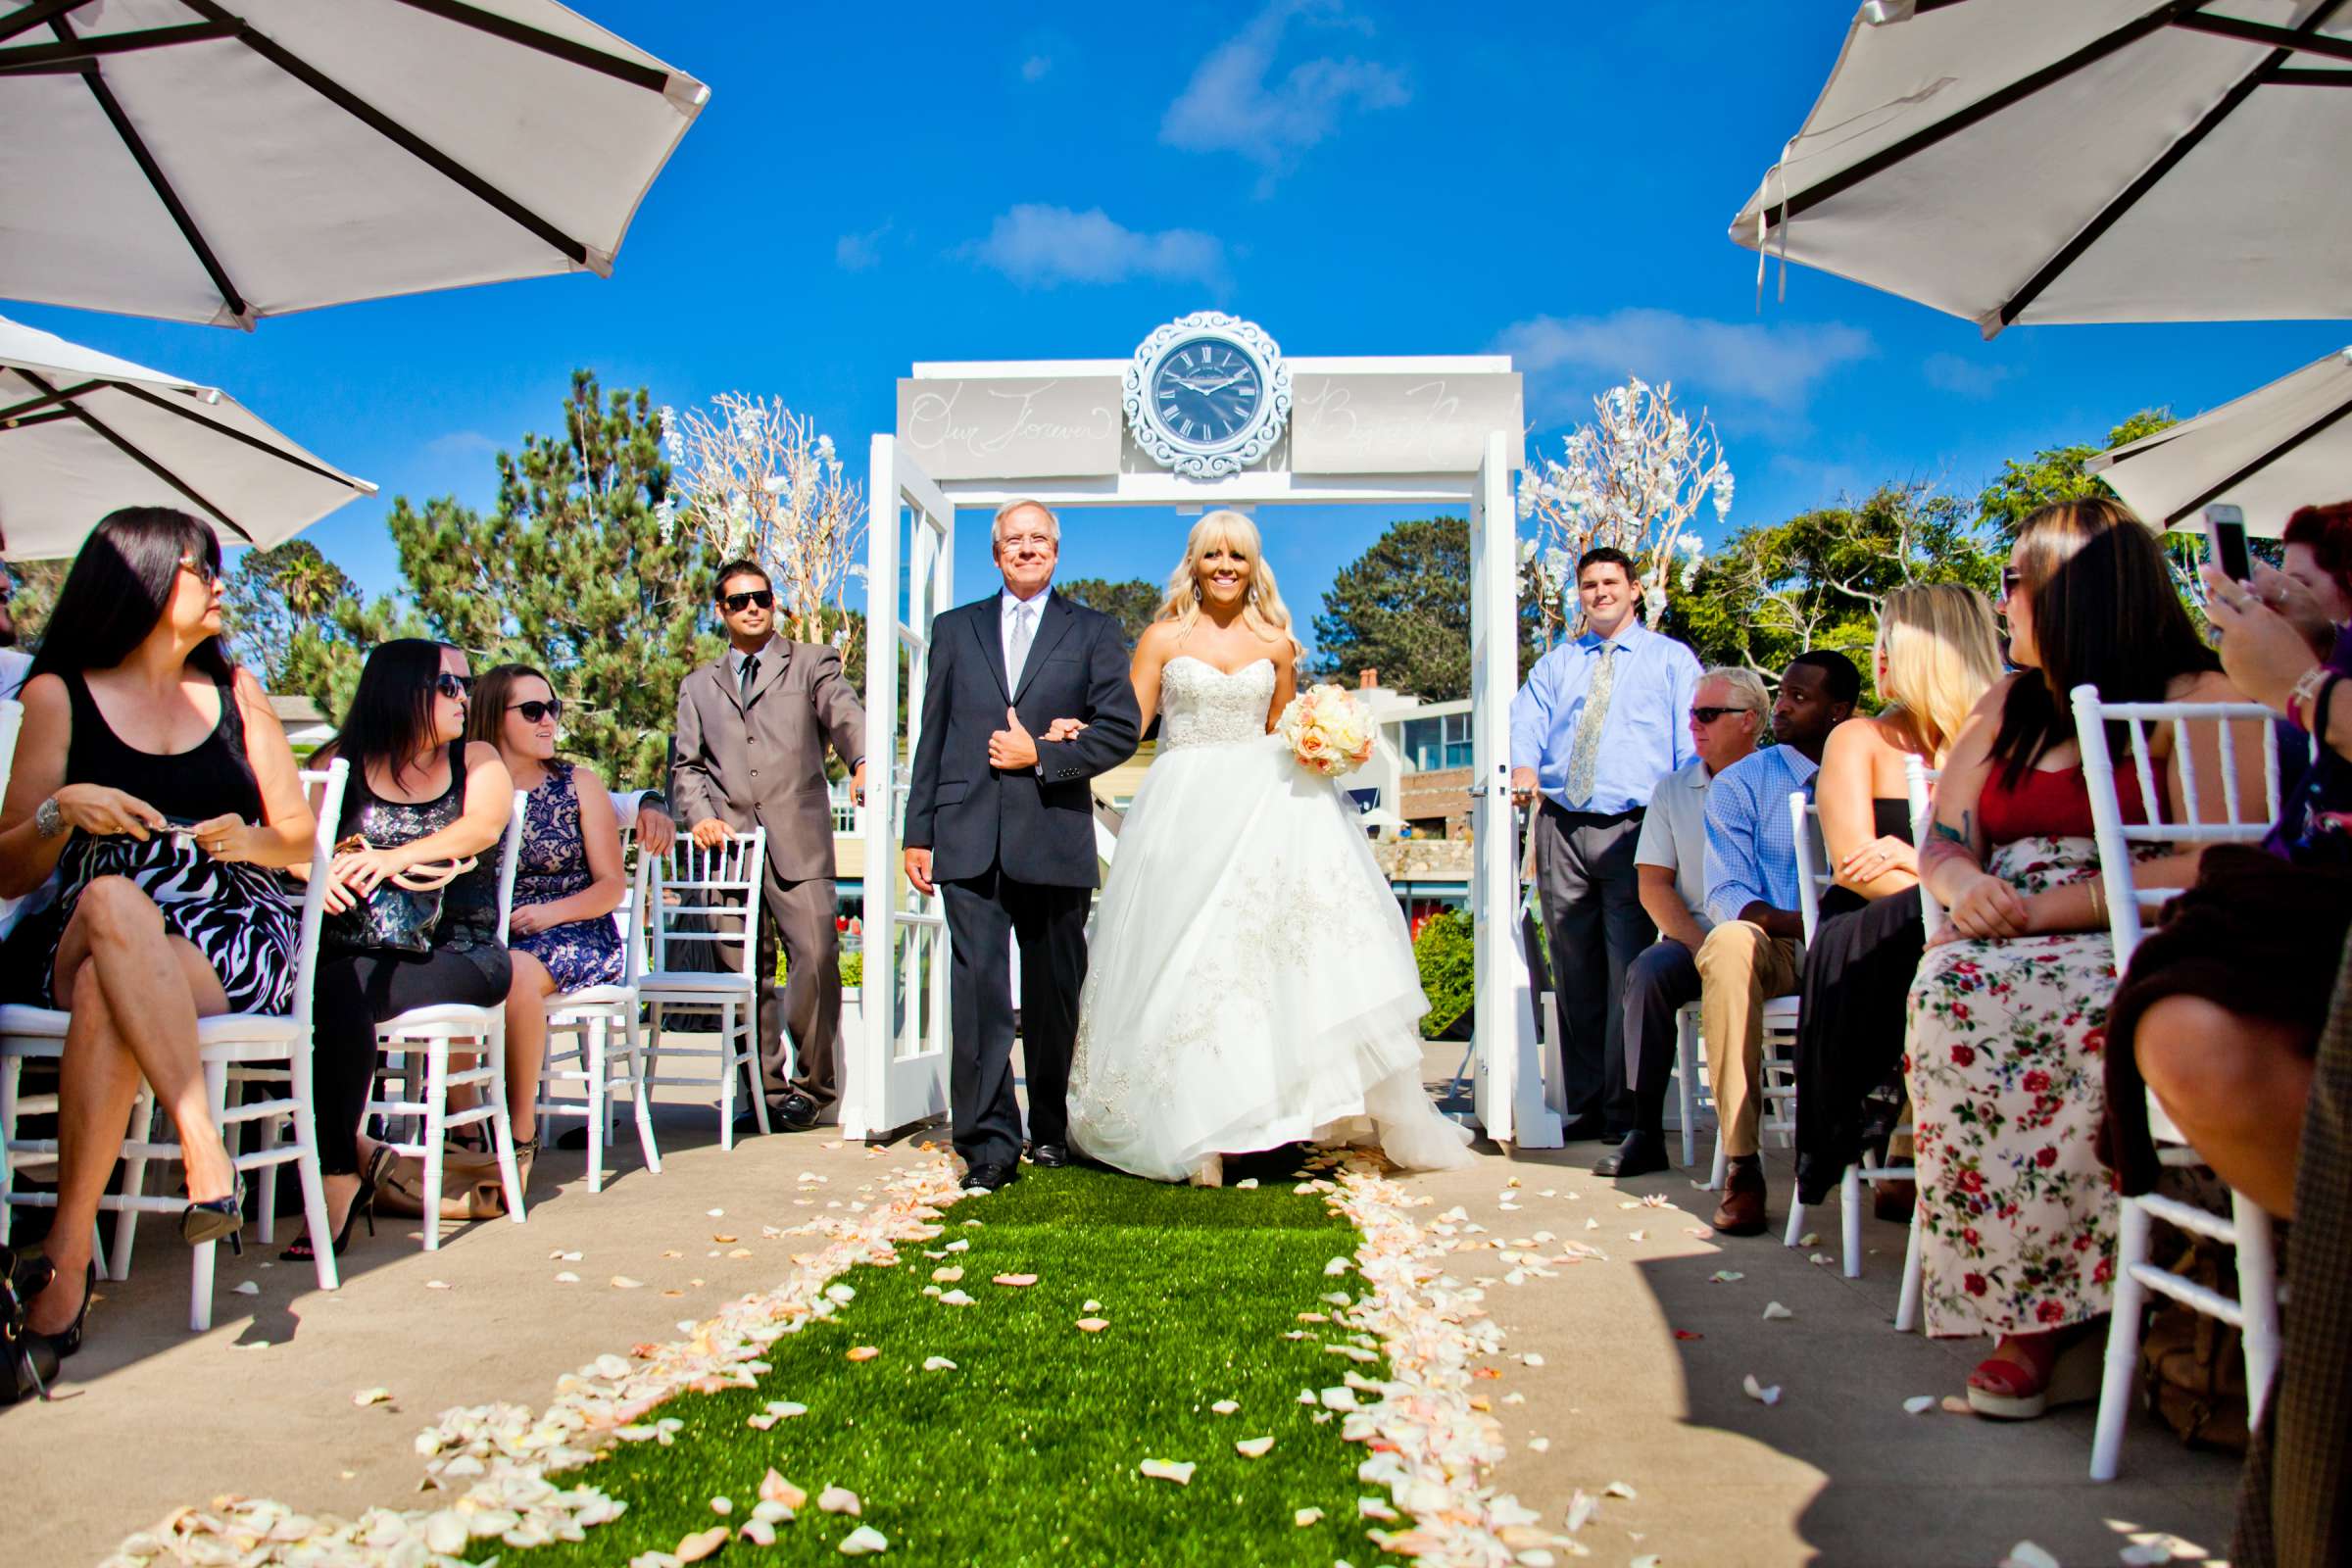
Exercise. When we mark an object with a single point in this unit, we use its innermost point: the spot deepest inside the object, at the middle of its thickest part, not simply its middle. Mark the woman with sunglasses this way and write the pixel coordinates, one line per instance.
(568, 882)
(426, 806)
(151, 778)
(2007, 1015)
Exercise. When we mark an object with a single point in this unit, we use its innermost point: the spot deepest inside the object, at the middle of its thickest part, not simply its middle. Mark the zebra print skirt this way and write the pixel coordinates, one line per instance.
(236, 915)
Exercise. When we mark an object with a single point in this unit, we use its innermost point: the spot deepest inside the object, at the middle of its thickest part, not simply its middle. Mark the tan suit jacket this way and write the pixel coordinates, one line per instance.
(761, 762)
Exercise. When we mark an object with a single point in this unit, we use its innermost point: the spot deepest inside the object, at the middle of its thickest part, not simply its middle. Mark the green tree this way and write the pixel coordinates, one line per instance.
(1132, 604)
(573, 570)
(1402, 608)
(1769, 592)
(2055, 474)
(270, 595)
(33, 586)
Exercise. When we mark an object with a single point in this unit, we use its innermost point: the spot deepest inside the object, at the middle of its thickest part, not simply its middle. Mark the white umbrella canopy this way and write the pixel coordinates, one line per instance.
(2018, 160)
(83, 433)
(2280, 447)
(199, 162)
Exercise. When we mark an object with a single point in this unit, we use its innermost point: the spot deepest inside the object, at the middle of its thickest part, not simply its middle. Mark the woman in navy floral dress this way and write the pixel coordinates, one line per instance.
(568, 881)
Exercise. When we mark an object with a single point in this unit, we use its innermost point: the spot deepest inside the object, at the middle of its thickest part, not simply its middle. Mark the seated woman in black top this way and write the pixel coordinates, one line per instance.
(151, 776)
(422, 796)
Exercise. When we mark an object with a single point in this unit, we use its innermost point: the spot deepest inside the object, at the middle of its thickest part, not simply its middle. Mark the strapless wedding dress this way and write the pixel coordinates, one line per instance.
(1249, 981)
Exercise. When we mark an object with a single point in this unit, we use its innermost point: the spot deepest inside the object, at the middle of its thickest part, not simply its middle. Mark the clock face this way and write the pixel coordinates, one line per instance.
(1205, 392)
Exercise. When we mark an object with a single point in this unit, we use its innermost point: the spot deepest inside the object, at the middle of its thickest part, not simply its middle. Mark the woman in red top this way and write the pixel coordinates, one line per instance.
(2007, 1013)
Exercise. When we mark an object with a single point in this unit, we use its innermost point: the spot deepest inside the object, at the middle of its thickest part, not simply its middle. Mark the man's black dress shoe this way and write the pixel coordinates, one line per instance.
(1049, 1156)
(797, 1114)
(1614, 1136)
(992, 1178)
(1640, 1154)
(1584, 1130)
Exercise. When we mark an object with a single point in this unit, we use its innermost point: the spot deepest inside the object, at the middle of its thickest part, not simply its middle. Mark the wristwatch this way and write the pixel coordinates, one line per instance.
(48, 819)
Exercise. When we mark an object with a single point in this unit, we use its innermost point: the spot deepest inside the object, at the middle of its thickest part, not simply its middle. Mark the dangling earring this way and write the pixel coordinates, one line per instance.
(1195, 590)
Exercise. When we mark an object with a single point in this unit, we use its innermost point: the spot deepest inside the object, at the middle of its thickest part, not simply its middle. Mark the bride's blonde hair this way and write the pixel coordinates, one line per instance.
(1262, 609)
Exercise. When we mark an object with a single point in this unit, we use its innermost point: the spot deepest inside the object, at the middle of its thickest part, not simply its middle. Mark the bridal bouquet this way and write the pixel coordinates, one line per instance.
(1327, 731)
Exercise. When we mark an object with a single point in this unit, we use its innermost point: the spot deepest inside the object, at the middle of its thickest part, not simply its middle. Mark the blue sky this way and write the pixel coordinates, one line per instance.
(870, 187)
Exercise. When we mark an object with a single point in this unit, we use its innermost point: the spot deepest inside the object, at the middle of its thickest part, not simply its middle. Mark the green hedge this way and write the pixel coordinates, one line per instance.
(1443, 951)
(852, 968)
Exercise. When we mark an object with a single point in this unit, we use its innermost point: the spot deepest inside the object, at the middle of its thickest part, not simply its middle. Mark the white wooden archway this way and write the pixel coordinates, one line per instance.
(1437, 431)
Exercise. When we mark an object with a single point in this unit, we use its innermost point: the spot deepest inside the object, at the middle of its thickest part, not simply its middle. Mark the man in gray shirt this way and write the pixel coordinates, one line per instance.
(1727, 716)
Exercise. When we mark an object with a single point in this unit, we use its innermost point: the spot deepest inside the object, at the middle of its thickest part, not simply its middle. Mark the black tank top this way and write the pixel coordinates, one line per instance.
(386, 823)
(214, 778)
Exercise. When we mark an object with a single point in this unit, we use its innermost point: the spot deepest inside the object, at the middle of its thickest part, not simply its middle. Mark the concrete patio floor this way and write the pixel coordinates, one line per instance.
(1836, 1473)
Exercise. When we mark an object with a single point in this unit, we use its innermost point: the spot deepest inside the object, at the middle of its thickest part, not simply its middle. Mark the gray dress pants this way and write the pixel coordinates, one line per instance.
(1592, 908)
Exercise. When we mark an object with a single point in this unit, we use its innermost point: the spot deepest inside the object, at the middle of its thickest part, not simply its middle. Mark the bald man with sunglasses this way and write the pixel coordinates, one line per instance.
(753, 731)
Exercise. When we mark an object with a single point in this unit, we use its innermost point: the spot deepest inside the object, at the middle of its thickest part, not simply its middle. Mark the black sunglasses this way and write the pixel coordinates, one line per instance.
(764, 597)
(535, 711)
(1708, 715)
(2012, 580)
(457, 688)
(204, 571)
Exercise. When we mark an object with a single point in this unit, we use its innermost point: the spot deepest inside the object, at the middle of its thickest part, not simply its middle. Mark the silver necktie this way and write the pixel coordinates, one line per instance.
(1020, 643)
(1584, 755)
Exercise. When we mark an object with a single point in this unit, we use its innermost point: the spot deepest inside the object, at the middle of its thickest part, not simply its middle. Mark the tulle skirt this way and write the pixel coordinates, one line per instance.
(1251, 982)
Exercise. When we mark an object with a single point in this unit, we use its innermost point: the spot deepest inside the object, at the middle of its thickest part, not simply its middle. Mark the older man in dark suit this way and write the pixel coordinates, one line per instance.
(1003, 821)
(753, 731)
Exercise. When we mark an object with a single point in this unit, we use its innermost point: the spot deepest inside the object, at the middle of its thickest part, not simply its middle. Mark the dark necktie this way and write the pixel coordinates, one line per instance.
(750, 672)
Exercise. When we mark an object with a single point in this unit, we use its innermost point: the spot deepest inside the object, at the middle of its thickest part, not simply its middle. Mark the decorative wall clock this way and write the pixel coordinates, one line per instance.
(1207, 395)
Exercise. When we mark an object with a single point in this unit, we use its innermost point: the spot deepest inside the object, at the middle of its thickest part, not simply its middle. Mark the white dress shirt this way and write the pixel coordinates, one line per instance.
(1008, 616)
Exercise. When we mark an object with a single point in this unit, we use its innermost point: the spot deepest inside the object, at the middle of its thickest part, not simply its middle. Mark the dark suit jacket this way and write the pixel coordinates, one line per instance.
(1038, 824)
(762, 763)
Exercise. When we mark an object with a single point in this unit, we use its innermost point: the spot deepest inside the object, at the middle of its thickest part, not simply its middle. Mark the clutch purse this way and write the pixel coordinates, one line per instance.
(401, 914)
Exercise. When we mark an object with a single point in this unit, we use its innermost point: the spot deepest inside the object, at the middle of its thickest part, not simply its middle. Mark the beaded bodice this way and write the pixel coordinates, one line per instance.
(1200, 704)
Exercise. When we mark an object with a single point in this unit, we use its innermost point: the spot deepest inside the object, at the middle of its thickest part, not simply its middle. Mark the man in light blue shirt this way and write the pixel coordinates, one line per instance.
(1599, 721)
(1757, 949)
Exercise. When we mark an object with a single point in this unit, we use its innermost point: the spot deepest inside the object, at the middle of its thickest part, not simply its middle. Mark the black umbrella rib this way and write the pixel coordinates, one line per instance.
(651, 77)
(392, 131)
(1927, 137)
(2147, 180)
(32, 420)
(20, 410)
(32, 16)
(253, 441)
(84, 53)
(131, 451)
(137, 146)
(2306, 39)
(2314, 428)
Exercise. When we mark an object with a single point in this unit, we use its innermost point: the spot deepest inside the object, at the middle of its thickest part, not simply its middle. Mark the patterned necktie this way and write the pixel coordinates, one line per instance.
(1584, 756)
(751, 673)
(1020, 642)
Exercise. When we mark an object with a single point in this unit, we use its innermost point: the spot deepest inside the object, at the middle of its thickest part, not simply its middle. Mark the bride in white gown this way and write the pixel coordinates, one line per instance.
(1251, 982)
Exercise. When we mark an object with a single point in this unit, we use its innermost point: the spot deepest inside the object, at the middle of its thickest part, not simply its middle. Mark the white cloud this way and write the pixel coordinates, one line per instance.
(1964, 377)
(1034, 67)
(854, 253)
(1044, 246)
(1232, 106)
(461, 444)
(1754, 378)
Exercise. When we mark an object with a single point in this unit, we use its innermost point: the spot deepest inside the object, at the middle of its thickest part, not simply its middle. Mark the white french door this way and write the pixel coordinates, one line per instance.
(899, 1069)
(1508, 1086)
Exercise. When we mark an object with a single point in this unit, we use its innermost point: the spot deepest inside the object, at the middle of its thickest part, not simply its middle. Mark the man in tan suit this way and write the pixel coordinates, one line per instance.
(753, 731)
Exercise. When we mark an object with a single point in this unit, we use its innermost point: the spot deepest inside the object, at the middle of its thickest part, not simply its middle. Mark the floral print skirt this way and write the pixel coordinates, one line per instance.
(2004, 1057)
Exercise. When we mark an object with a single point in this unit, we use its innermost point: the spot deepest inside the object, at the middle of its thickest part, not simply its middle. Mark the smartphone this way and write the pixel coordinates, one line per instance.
(2226, 526)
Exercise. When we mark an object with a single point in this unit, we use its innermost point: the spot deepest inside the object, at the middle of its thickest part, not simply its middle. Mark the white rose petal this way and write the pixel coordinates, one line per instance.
(864, 1541)
(1774, 1309)
(1919, 1404)
(1758, 1392)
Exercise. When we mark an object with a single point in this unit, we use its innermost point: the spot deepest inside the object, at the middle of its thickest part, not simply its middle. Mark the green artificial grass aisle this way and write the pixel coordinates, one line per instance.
(1027, 1454)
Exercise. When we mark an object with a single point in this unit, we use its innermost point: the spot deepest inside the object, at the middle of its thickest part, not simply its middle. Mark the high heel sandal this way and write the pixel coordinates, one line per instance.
(2072, 1377)
(363, 1201)
(1210, 1172)
(66, 1341)
(217, 1219)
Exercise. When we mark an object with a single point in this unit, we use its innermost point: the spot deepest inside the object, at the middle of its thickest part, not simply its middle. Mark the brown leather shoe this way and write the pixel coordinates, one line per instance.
(1741, 1211)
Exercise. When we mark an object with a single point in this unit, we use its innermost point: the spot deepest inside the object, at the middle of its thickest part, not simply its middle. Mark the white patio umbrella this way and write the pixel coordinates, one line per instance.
(83, 433)
(2016, 161)
(208, 161)
(2280, 447)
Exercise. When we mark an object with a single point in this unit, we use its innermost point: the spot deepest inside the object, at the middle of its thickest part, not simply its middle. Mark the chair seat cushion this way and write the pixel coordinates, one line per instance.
(438, 1018)
(592, 996)
(691, 980)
